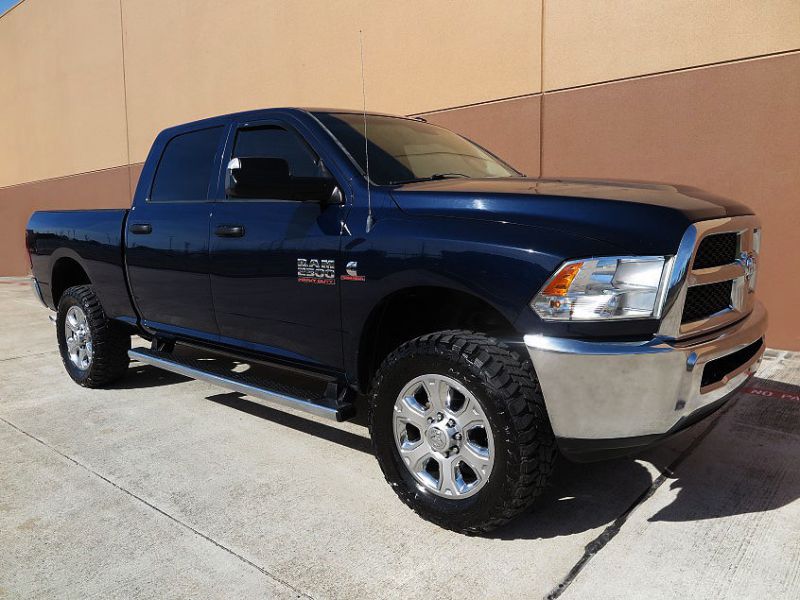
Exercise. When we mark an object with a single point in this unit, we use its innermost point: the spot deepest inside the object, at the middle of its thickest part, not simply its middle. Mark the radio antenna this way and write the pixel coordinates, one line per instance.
(370, 220)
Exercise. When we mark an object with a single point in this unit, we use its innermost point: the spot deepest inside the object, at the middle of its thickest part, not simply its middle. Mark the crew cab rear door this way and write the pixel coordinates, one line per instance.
(166, 241)
(263, 250)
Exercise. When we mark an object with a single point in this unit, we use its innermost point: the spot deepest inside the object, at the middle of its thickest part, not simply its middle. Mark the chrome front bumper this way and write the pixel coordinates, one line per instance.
(618, 395)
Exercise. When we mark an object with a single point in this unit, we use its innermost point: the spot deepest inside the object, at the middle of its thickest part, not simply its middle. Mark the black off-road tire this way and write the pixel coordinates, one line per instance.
(508, 391)
(110, 340)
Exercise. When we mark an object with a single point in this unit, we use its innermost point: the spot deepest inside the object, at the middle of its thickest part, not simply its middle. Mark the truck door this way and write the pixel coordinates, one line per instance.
(167, 238)
(263, 250)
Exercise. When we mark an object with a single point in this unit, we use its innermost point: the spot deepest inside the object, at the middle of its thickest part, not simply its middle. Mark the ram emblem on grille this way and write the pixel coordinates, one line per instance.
(748, 262)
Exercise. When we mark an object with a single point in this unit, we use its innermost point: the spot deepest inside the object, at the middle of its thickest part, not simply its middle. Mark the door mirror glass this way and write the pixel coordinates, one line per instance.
(257, 177)
(268, 178)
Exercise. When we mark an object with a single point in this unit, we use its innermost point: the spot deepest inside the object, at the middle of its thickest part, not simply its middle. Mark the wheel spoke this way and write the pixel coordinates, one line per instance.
(413, 455)
(405, 411)
(72, 344)
(436, 390)
(447, 478)
(479, 461)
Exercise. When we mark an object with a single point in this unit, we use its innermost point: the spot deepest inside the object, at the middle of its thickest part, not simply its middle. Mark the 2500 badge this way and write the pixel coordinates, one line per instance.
(318, 271)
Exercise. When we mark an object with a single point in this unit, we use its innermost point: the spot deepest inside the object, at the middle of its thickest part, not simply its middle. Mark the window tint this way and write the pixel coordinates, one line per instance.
(276, 142)
(185, 168)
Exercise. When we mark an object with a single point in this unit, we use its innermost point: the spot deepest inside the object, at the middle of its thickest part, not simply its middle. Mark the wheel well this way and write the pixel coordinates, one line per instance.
(416, 311)
(66, 273)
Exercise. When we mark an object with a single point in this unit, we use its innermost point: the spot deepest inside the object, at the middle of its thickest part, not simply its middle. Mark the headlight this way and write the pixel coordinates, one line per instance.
(597, 289)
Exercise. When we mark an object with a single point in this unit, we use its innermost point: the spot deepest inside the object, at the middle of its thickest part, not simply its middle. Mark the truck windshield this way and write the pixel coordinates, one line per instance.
(404, 150)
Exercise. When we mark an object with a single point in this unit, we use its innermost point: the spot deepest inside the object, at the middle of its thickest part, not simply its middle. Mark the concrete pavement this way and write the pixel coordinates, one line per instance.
(167, 487)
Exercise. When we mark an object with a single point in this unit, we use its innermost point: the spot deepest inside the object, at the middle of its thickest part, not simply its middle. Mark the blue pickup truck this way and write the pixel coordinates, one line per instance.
(482, 320)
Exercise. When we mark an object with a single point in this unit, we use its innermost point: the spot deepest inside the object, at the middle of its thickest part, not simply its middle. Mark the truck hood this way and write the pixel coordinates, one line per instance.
(636, 217)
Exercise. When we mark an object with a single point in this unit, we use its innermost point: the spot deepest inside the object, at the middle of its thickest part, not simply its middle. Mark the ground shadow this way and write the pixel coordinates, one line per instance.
(147, 376)
(744, 462)
(344, 438)
(580, 497)
(748, 464)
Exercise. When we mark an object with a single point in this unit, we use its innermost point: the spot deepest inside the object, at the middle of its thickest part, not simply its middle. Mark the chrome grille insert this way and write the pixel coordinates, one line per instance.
(712, 278)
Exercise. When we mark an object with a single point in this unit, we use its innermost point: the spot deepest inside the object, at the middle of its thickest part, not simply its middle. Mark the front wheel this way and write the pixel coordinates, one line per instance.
(459, 428)
(94, 348)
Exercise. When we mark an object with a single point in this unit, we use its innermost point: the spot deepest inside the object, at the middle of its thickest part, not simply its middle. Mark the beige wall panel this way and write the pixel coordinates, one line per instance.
(101, 189)
(732, 129)
(586, 41)
(62, 107)
(187, 59)
(509, 128)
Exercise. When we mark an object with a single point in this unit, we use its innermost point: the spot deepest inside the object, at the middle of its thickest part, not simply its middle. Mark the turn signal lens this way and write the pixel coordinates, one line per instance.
(619, 287)
(559, 284)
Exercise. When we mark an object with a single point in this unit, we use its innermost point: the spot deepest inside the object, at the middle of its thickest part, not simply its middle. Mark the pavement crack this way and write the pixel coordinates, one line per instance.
(598, 543)
(29, 355)
(161, 511)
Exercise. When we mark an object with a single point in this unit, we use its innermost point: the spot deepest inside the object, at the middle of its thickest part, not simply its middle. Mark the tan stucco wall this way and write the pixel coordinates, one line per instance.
(62, 108)
(587, 41)
(186, 59)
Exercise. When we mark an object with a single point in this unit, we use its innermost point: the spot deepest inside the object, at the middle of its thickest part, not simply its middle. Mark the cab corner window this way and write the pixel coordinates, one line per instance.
(184, 171)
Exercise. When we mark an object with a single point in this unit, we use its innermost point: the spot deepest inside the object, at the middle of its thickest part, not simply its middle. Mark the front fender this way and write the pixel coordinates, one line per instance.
(501, 264)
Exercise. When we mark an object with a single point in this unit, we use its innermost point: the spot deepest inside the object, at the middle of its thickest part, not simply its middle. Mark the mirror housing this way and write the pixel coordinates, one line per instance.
(255, 177)
(271, 178)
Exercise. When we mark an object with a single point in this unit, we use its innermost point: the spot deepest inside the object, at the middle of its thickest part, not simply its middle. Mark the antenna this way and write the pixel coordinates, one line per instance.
(370, 220)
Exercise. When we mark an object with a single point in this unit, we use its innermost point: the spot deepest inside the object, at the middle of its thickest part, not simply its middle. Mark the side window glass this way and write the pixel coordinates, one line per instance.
(184, 171)
(276, 142)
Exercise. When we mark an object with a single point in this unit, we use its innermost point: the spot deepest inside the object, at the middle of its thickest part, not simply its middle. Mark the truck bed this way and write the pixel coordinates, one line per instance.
(87, 239)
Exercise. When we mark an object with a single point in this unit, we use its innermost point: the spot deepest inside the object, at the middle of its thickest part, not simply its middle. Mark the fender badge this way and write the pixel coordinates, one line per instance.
(352, 272)
(320, 272)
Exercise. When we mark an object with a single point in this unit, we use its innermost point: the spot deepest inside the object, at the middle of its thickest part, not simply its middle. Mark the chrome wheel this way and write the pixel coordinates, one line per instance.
(443, 436)
(78, 338)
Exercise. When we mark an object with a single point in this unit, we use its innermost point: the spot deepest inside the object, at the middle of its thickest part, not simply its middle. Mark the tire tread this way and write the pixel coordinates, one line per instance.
(513, 381)
(110, 344)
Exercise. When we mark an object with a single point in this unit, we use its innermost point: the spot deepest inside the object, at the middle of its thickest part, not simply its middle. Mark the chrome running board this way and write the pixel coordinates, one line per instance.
(272, 391)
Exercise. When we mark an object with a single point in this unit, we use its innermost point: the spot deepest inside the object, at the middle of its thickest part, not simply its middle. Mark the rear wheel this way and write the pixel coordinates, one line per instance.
(459, 428)
(94, 349)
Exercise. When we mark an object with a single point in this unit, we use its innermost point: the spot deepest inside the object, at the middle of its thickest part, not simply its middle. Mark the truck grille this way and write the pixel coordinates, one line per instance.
(717, 250)
(718, 260)
(702, 301)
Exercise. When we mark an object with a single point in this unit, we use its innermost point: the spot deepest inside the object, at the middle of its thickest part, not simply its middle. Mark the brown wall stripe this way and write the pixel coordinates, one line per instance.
(731, 129)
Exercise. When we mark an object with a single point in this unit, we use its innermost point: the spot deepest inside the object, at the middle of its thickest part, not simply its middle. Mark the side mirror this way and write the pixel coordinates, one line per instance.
(256, 177)
(336, 197)
(271, 178)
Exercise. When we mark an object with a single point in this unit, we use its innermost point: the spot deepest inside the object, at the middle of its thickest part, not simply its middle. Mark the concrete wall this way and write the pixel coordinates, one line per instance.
(703, 93)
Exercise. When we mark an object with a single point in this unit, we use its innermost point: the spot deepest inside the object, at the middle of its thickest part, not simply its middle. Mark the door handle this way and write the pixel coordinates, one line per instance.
(141, 228)
(229, 230)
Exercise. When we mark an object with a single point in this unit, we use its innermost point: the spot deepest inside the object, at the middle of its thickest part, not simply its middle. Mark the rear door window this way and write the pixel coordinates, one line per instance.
(184, 171)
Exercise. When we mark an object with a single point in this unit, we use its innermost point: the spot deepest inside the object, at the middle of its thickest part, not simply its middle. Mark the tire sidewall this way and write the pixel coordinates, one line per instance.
(451, 512)
(66, 302)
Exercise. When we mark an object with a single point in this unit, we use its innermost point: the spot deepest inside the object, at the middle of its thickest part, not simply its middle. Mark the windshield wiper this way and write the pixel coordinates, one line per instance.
(433, 177)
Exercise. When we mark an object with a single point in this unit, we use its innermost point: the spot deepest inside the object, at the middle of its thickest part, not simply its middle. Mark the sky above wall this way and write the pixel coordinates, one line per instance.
(5, 5)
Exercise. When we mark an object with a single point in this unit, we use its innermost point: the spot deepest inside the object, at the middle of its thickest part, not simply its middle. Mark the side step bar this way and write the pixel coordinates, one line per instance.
(273, 391)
